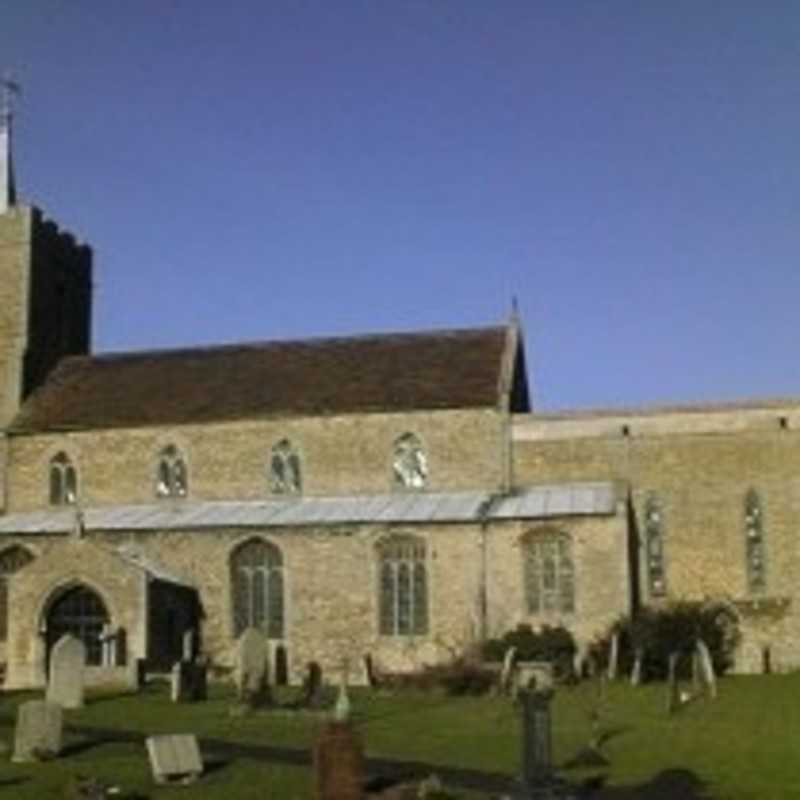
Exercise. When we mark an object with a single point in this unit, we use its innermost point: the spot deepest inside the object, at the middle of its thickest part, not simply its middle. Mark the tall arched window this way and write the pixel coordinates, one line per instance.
(63, 481)
(81, 612)
(654, 547)
(12, 560)
(284, 469)
(172, 478)
(258, 588)
(754, 542)
(403, 586)
(549, 572)
(409, 462)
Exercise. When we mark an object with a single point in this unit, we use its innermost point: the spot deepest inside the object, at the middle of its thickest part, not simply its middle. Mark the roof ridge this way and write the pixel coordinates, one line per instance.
(259, 344)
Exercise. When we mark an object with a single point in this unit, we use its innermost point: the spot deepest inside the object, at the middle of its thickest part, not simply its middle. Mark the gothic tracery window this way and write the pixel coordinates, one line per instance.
(654, 547)
(754, 542)
(63, 481)
(549, 572)
(402, 586)
(12, 560)
(409, 462)
(284, 469)
(257, 579)
(172, 479)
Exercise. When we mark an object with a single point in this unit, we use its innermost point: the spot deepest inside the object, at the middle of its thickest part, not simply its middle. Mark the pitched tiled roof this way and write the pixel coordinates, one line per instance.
(389, 372)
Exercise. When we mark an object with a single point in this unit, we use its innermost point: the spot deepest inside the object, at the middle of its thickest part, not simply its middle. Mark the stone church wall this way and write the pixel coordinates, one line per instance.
(700, 466)
(341, 455)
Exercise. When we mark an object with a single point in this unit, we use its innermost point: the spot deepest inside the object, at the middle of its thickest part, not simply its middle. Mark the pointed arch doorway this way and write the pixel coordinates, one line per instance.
(80, 611)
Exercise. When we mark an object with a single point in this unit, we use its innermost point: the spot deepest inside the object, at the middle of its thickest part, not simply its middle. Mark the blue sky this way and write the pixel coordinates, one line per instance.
(266, 169)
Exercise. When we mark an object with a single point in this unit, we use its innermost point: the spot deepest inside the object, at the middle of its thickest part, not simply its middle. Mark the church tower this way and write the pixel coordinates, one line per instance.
(45, 286)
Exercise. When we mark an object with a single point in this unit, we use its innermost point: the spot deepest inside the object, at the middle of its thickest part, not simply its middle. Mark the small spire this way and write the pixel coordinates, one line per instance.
(8, 190)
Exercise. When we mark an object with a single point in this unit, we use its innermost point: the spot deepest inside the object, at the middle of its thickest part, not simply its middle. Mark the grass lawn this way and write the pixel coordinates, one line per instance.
(745, 745)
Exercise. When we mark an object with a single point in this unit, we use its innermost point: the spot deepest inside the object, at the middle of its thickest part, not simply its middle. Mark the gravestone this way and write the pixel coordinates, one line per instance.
(312, 686)
(189, 681)
(136, 672)
(613, 657)
(252, 669)
(338, 762)
(673, 694)
(507, 670)
(636, 672)
(370, 674)
(341, 711)
(188, 645)
(67, 663)
(708, 678)
(174, 758)
(37, 736)
(537, 738)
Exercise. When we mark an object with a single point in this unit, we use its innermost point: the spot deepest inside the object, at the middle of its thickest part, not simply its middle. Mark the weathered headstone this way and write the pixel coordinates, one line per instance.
(506, 671)
(188, 645)
(613, 657)
(537, 738)
(636, 671)
(673, 694)
(136, 672)
(174, 758)
(188, 681)
(312, 686)
(341, 711)
(67, 663)
(338, 763)
(252, 669)
(370, 673)
(706, 667)
(38, 733)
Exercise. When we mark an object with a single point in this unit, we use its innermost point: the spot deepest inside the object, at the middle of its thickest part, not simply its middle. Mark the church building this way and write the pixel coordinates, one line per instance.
(392, 494)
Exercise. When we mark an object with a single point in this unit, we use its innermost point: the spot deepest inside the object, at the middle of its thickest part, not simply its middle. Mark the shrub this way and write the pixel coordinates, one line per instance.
(554, 644)
(657, 632)
(457, 677)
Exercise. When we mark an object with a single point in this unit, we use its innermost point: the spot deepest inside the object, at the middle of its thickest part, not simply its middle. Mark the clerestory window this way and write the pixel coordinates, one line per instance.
(172, 477)
(402, 586)
(409, 462)
(285, 475)
(549, 572)
(63, 481)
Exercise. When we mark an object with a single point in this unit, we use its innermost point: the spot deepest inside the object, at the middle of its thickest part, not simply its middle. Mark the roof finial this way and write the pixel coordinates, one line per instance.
(8, 192)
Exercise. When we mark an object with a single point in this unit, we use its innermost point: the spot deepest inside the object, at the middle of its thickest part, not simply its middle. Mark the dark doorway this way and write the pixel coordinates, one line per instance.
(81, 612)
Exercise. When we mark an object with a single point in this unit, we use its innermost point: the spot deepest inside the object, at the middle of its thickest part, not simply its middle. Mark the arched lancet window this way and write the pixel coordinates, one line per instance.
(402, 587)
(172, 478)
(549, 572)
(81, 612)
(284, 469)
(12, 560)
(409, 462)
(654, 547)
(63, 481)
(754, 542)
(257, 579)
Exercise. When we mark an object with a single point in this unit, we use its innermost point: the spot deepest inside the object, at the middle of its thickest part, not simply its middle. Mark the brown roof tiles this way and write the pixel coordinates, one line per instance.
(389, 372)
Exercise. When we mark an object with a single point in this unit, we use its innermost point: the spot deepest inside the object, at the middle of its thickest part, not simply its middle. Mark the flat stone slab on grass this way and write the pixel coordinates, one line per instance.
(37, 736)
(174, 758)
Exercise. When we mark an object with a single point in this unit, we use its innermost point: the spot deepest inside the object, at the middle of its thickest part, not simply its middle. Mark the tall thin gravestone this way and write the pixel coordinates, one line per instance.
(67, 663)
(537, 738)
(706, 665)
(252, 669)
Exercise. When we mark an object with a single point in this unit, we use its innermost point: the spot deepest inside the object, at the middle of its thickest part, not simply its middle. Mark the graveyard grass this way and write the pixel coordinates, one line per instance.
(741, 746)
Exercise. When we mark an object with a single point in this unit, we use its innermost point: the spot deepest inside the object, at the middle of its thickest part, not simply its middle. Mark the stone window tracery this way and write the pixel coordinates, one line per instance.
(172, 477)
(549, 572)
(12, 560)
(285, 475)
(63, 481)
(654, 547)
(402, 586)
(754, 542)
(257, 579)
(409, 462)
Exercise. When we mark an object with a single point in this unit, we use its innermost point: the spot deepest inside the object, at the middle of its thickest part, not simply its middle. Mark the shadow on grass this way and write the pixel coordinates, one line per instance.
(4, 782)
(671, 784)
